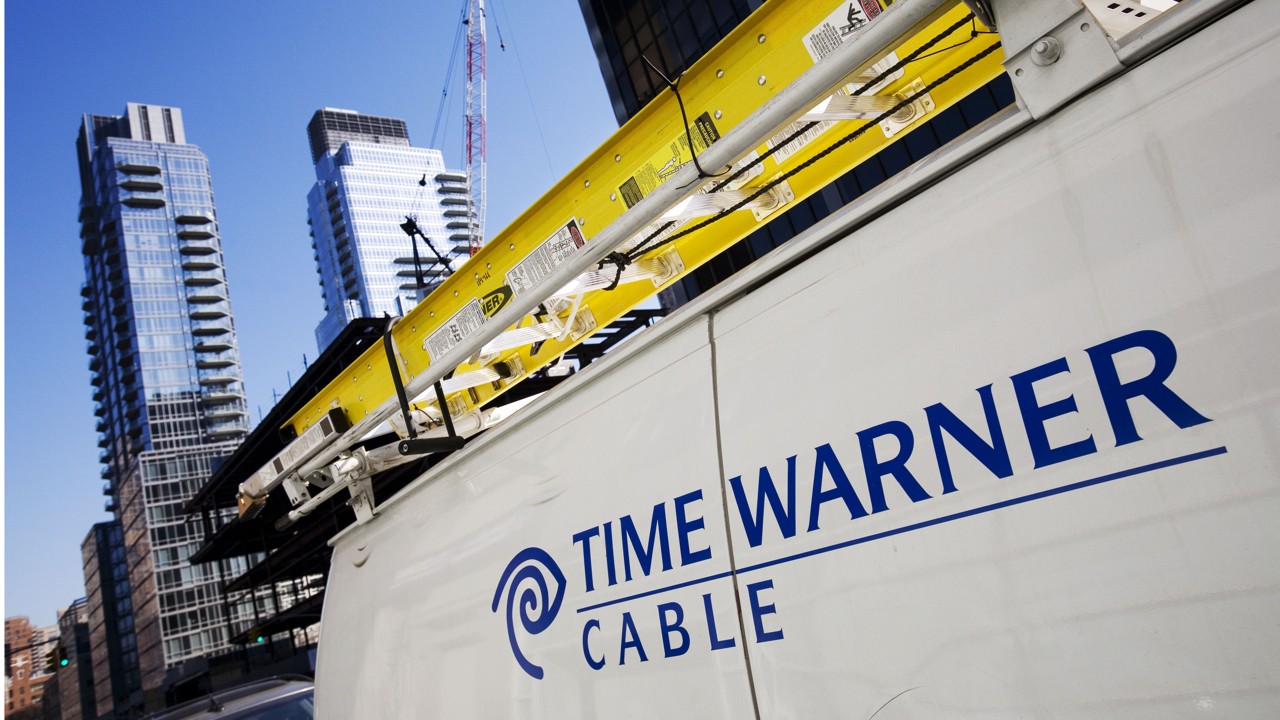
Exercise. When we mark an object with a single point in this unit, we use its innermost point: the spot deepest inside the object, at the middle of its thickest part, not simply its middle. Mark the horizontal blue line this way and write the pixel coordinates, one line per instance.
(1180, 460)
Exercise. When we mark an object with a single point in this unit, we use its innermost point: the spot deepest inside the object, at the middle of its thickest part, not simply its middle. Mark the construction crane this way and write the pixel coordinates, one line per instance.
(476, 111)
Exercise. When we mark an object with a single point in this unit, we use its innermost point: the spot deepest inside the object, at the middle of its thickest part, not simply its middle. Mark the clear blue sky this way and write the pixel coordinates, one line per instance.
(248, 76)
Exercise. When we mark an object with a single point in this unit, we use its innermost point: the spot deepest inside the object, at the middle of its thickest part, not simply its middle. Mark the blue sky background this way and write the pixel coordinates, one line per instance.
(248, 76)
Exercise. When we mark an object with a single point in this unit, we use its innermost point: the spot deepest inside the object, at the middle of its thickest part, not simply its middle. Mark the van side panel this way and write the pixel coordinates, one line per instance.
(468, 596)
(1035, 421)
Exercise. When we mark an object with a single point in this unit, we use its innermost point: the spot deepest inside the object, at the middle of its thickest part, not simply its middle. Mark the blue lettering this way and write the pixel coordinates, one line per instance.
(584, 537)
(586, 649)
(1116, 395)
(629, 628)
(758, 612)
(826, 459)
(644, 555)
(716, 642)
(896, 466)
(686, 525)
(676, 626)
(994, 456)
(608, 554)
(1035, 415)
(753, 522)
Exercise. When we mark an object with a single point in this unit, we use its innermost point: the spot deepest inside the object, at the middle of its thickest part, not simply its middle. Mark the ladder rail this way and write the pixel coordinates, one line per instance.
(798, 98)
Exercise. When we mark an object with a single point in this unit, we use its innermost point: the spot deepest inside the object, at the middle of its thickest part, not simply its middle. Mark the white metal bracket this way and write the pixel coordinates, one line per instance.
(1054, 49)
(361, 499)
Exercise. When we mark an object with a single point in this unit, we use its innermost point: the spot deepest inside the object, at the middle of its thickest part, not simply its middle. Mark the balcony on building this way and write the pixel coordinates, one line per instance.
(139, 201)
(453, 189)
(209, 329)
(206, 296)
(457, 212)
(197, 247)
(193, 217)
(202, 278)
(462, 201)
(226, 430)
(213, 346)
(141, 185)
(209, 312)
(222, 379)
(197, 263)
(138, 169)
(220, 396)
(214, 363)
(225, 414)
(196, 233)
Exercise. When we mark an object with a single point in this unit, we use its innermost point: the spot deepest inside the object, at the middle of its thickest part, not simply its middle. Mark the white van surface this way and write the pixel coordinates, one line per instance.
(1009, 450)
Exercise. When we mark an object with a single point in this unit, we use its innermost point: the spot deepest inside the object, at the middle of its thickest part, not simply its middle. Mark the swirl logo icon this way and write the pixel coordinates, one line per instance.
(533, 580)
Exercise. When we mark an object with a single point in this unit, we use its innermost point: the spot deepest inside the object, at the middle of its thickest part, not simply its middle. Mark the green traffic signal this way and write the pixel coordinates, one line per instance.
(260, 638)
(64, 662)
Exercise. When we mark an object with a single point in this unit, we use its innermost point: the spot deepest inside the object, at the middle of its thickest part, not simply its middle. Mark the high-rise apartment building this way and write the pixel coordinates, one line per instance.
(165, 368)
(673, 35)
(369, 179)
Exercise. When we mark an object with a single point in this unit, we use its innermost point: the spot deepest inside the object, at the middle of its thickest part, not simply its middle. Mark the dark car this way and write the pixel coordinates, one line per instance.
(280, 698)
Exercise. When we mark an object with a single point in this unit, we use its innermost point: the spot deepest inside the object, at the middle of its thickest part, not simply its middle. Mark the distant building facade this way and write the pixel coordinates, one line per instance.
(673, 35)
(27, 650)
(108, 611)
(165, 372)
(74, 680)
(368, 180)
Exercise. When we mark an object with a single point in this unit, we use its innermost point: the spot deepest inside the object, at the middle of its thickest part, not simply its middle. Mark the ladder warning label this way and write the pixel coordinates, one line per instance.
(538, 264)
(670, 159)
(843, 23)
(839, 26)
(463, 323)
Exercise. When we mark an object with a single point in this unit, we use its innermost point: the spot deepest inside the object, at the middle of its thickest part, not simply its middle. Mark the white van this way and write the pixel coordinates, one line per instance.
(1001, 440)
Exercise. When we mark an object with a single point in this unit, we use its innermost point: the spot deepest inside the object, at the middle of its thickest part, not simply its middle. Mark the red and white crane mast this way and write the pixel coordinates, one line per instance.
(476, 112)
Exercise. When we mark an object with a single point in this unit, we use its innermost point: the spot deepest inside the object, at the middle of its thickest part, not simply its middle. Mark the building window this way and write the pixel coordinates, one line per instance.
(145, 121)
(168, 125)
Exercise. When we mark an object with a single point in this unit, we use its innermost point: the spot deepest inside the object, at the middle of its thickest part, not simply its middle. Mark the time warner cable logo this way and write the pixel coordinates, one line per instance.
(527, 576)
(842, 482)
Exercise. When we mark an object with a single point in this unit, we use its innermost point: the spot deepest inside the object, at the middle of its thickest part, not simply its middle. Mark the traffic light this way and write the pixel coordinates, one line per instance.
(58, 658)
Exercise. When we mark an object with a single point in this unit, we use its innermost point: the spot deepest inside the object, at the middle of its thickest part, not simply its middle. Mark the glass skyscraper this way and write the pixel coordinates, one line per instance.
(165, 370)
(368, 181)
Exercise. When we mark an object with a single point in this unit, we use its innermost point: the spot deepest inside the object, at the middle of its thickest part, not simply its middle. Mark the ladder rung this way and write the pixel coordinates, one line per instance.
(851, 107)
